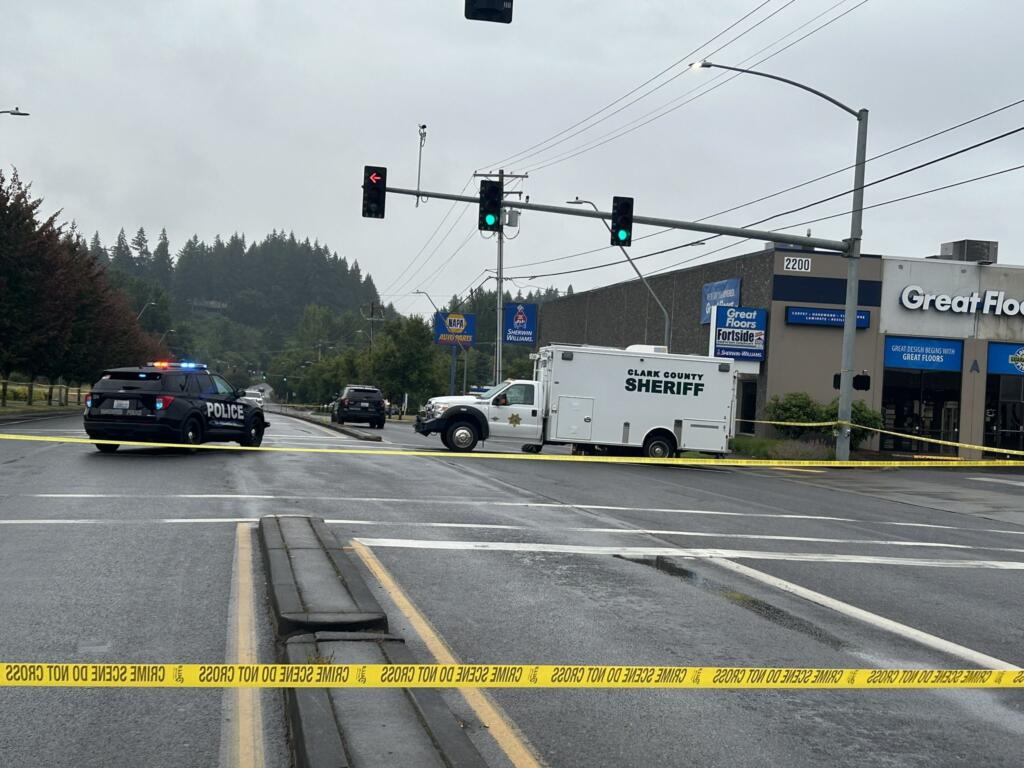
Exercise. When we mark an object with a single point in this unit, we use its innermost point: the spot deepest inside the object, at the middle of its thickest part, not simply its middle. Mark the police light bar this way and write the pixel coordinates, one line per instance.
(185, 366)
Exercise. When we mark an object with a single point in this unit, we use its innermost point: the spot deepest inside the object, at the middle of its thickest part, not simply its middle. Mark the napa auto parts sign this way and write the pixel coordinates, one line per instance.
(740, 332)
(454, 329)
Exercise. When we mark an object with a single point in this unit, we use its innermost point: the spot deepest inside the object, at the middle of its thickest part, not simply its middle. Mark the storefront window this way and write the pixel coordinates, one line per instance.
(921, 393)
(1004, 396)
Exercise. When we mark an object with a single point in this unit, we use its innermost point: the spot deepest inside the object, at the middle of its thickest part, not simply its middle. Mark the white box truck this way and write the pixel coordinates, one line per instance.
(640, 397)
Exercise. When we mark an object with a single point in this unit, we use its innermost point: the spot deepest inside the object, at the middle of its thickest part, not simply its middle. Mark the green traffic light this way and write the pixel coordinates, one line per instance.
(623, 234)
(490, 218)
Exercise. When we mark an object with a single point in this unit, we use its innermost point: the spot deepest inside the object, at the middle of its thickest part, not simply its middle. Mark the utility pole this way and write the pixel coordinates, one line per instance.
(499, 275)
(372, 318)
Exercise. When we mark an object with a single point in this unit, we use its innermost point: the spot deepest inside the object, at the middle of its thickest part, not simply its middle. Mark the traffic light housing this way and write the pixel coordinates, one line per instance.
(489, 10)
(375, 181)
(491, 195)
(622, 221)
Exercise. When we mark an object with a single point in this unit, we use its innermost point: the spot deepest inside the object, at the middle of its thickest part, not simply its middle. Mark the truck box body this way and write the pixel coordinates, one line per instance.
(617, 397)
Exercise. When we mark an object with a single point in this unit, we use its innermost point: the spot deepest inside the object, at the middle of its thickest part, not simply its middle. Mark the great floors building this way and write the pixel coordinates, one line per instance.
(940, 340)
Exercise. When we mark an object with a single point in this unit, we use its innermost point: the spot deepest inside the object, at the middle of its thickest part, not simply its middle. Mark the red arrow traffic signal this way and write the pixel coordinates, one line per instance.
(374, 177)
(375, 181)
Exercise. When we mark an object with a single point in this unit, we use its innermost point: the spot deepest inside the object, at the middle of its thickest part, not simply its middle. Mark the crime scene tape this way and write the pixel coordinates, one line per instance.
(28, 675)
(677, 462)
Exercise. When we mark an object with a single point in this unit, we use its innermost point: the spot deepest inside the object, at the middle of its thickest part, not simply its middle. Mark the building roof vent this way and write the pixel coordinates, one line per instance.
(979, 251)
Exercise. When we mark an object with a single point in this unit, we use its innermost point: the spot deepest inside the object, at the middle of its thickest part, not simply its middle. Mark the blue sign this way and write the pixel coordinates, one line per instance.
(833, 318)
(454, 329)
(725, 293)
(923, 354)
(520, 323)
(740, 332)
(1006, 358)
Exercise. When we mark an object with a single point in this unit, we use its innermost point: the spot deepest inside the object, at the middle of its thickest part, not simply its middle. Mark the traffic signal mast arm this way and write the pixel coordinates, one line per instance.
(714, 229)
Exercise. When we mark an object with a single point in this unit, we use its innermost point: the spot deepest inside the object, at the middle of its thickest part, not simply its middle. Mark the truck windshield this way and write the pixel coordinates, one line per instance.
(492, 391)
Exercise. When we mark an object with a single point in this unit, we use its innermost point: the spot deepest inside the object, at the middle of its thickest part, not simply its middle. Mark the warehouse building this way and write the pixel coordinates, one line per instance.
(939, 343)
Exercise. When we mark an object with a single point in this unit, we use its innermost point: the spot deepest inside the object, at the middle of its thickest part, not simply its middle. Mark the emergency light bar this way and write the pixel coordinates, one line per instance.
(183, 366)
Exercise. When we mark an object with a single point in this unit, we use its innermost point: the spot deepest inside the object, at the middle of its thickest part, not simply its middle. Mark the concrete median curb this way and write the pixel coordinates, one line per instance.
(70, 410)
(350, 431)
(314, 586)
(351, 728)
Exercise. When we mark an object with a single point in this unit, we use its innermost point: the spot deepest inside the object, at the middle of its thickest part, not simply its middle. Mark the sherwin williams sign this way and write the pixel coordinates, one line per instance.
(520, 323)
(1006, 358)
(723, 292)
(454, 329)
(740, 332)
(923, 354)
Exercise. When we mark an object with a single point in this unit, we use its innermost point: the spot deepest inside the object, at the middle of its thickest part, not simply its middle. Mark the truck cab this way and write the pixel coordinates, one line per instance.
(512, 410)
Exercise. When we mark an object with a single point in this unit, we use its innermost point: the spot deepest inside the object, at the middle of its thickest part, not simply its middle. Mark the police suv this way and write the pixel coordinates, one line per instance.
(170, 403)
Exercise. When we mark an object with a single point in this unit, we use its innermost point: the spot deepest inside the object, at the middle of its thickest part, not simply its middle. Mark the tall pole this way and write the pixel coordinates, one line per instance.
(852, 291)
(500, 302)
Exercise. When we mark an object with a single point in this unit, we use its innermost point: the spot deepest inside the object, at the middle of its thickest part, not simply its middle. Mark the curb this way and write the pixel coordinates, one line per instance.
(313, 585)
(69, 411)
(346, 728)
(357, 434)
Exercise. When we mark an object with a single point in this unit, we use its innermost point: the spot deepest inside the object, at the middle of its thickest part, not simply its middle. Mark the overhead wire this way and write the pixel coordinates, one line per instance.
(623, 130)
(630, 93)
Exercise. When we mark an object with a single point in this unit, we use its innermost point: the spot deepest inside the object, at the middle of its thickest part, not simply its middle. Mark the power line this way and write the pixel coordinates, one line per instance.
(630, 93)
(788, 226)
(816, 179)
(619, 132)
(660, 85)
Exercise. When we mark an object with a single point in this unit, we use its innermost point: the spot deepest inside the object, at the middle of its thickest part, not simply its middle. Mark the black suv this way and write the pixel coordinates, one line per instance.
(170, 403)
(360, 404)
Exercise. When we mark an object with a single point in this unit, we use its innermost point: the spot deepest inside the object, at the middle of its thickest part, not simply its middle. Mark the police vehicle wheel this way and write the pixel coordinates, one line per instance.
(106, 447)
(659, 447)
(531, 448)
(253, 434)
(192, 433)
(462, 437)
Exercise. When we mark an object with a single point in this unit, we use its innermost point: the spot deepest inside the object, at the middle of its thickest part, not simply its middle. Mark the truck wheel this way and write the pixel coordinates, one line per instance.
(444, 441)
(532, 448)
(659, 446)
(462, 437)
(106, 447)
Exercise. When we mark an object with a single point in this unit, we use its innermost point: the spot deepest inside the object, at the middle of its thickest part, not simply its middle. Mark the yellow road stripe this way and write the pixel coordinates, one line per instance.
(680, 462)
(504, 732)
(471, 678)
(248, 716)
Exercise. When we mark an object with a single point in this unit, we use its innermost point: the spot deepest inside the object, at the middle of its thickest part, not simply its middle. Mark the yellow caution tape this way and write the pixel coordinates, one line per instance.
(30, 675)
(678, 462)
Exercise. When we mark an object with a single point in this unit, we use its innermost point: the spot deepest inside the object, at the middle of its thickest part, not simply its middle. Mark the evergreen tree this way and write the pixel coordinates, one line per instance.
(143, 258)
(97, 251)
(161, 269)
(121, 257)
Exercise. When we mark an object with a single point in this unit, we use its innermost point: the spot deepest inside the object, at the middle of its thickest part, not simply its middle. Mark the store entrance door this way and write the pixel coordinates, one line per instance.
(1004, 412)
(921, 403)
(747, 406)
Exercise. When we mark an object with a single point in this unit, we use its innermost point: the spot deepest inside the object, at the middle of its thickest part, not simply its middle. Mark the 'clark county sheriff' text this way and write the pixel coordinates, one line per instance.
(664, 382)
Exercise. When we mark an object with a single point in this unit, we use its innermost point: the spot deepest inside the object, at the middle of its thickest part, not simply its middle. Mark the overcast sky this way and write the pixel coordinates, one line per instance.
(216, 116)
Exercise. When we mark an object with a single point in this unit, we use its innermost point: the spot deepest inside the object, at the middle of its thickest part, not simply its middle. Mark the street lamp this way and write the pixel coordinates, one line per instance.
(852, 254)
(454, 364)
(16, 112)
(146, 306)
(668, 321)
(169, 330)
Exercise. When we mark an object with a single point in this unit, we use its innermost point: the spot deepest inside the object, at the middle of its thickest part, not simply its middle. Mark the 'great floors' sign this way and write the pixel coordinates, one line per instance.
(914, 297)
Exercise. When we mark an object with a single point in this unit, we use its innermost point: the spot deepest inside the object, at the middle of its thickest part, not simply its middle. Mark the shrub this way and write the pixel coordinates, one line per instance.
(862, 414)
(798, 407)
(767, 448)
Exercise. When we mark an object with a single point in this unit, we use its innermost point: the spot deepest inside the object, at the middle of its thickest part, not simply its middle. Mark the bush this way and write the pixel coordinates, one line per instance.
(861, 414)
(767, 448)
(798, 407)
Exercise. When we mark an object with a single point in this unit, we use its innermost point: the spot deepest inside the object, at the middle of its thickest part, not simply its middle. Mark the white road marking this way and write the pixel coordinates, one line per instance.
(463, 502)
(910, 633)
(1019, 483)
(736, 554)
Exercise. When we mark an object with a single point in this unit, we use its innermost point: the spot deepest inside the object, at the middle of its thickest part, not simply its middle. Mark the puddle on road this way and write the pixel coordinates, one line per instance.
(763, 609)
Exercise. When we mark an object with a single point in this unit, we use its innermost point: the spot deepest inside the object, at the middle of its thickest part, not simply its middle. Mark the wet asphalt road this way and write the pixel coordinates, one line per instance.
(148, 578)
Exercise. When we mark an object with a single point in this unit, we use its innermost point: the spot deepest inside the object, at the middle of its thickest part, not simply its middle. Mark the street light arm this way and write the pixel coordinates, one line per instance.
(815, 91)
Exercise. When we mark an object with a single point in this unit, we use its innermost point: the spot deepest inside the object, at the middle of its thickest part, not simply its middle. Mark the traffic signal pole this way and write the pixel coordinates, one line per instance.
(691, 226)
